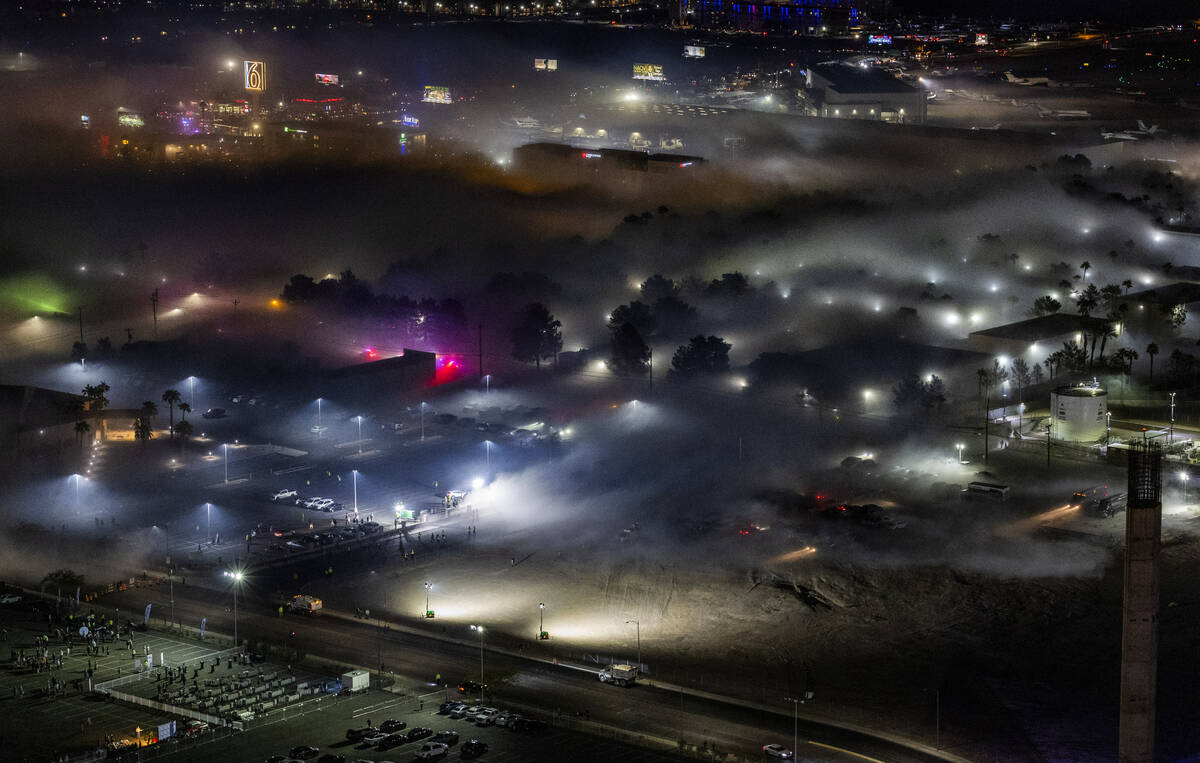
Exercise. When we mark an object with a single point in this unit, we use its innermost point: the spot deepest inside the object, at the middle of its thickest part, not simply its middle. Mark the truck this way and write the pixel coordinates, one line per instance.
(621, 675)
(305, 604)
(355, 681)
(985, 490)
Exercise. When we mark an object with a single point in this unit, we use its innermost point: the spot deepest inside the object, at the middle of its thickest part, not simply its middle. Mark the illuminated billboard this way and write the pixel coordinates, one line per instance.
(879, 39)
(693, 51)
(408, 120)
(255, 76)
(545, 64)
(127, 118)
(648, 71)
(981, 39)
(437, 94)
(328, 79)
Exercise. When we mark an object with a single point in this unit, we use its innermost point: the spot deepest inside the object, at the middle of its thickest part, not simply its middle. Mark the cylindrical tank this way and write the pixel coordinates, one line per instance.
(1078, 413)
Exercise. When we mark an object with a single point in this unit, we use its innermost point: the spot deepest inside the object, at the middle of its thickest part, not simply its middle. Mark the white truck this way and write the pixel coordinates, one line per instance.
(621, 675)
(305, 604)
(356, 681)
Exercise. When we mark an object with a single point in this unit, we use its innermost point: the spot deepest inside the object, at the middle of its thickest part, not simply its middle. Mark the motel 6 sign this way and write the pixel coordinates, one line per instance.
(255, 75)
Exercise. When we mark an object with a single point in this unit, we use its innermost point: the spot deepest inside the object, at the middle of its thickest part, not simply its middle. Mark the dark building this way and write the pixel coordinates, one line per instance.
(382, 379)
(569, 162)
(807, 17)
(845, 91)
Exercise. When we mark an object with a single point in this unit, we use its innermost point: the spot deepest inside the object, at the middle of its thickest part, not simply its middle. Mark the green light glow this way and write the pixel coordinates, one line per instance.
(34, 294)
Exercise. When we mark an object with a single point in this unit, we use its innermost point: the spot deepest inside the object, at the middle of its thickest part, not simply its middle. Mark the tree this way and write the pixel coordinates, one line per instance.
(63, 578)
(1038, 375)
(1151, 351)
(79, 352)
(1074, 357)
(96, 395)
(639, 314)
(630, 355)
(171, 397)
(149, 410)
(673, 316)
(81, 430)
(1177, 316)
(1123, 359)
(1087, 300)
(104, 348)
(184, 410)
(184, 430)
(1045, 305)
(912, 395)
(1085, 266)
(1022, 375)
(657, 287)
(1127, 284)
(981, 377)
(143, 429)
(536, 337)
(728, 285)
(701, 355)
(935, 393)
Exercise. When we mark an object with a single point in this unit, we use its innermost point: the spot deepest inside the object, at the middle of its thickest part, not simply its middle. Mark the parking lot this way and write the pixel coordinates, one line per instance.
(325, 727)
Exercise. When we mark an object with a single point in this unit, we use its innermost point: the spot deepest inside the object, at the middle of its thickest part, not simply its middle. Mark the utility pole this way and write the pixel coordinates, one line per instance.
(154, 310)
(651, 364)
(81, 325)
(1047, 445)
(987, 415)
(481, 351)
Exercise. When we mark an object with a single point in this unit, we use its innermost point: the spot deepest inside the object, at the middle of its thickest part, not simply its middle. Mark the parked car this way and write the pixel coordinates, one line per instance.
(356, 735)
(391, 725)
(448, 738)
(418, 733)
(195, 728)
(777, 751)
(374, 738)
(432, 751)
(279, 495)
(446, 707)
(214, 413)
(328, 757)
(304, 752)
(474, 748)
(460, 711)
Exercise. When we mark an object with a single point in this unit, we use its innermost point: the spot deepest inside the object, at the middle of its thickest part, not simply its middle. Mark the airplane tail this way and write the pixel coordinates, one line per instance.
(1142, 126)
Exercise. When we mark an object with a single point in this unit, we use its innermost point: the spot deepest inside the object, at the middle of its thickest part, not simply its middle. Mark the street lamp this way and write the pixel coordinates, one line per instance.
(209, 505)
(238, 576)
(1184, 476)
(960, 447)
(542, 621)
(422, 421)
(359, 420)
(319, 411)
(1171, 438)
(192, 394)
(479, 629)
(1107, 427)
(487, 383)
(428, 611)
(355, 473)
(225, 447)
(487, 449)
(638, 623)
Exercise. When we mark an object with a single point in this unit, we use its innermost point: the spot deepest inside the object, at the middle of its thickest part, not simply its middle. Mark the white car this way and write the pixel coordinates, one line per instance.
(9, 598)
(279, 495)
(778, 751)
(322, 504)
(374, 738)
(432, 751)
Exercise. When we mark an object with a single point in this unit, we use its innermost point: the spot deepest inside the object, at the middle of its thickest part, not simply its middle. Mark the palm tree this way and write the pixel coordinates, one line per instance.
(184, 430)
(1085, 266)
(1128, 285)
(184, 410)
(149, 410)
(1151, 351)
(81, 429)
(982, 376)
(171, 397)
(142, 429)
(63, 578)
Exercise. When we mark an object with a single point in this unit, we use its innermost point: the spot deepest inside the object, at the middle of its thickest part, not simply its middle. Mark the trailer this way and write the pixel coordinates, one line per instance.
(355, 681)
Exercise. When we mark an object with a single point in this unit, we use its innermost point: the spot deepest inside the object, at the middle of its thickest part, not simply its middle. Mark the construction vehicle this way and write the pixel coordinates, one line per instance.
(1099, 502)
(305, 604)
(621, 675)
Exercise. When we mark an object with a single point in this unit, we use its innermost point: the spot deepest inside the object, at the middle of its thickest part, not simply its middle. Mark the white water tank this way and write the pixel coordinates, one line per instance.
(1078, 413)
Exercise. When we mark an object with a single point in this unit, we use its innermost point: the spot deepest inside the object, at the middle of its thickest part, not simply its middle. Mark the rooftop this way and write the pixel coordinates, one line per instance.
(857, 79)
(1044, 327)
(1178, 293)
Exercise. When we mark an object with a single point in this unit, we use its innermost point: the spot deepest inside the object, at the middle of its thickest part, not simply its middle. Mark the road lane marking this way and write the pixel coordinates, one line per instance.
(843, 750)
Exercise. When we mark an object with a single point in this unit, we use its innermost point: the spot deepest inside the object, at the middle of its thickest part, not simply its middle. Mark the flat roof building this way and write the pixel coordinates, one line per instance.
(843, 91)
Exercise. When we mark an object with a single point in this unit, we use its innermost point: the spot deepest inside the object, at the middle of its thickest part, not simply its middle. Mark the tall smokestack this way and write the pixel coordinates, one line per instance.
(1139, 634)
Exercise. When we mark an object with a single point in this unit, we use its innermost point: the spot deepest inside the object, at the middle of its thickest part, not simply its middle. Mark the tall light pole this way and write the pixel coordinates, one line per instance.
(487, 384)
(422, 421)
(541, 619)
(1171, 438)
(795, 721)
(318, 412)
(225, 447)
(479, 629)
(359, 420)
(1107, 427)
(487, 449)
(192, 392)
(237, 576)
(960, 447)
(428, 585)
(638, 623)
(355, 473)
(209, 505)
(1184, 476)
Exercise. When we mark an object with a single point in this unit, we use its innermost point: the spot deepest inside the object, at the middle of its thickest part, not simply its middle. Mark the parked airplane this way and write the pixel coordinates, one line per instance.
(993, 127)
(1117, 135)
(1027, 81)
(1144, 130)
